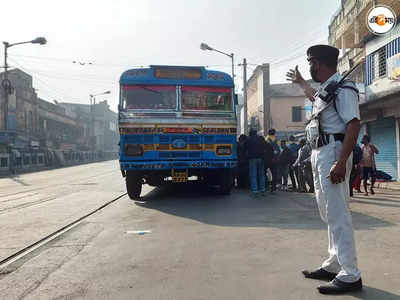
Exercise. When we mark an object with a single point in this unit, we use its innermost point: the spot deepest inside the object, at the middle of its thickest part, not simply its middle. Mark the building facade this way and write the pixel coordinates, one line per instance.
(21, 113)
(278, 106)
(378, 71)
(99, 125)
(258, 101)
(35, 133)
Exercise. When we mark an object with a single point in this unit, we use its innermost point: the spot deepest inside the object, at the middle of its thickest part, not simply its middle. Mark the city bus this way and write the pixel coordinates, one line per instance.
(177, 124)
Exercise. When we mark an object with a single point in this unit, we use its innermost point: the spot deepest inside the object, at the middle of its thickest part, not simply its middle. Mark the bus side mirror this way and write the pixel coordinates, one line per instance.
(236, 99)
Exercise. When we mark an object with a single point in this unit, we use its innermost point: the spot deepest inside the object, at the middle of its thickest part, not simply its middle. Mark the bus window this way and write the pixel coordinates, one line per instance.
(148, 97)
(206, 98)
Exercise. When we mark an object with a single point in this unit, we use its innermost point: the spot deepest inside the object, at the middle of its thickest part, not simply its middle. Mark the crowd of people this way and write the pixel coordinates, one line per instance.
(266, 164)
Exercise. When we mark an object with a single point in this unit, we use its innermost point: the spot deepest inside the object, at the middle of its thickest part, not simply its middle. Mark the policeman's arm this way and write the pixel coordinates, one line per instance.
(308, 90)
(295, 77)
(350, 140)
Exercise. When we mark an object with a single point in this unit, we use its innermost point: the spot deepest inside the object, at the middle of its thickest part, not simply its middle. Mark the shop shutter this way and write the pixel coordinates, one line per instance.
(383, 136)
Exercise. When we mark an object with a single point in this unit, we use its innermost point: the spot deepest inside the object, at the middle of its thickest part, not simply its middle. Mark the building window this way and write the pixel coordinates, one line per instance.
(296, 114)
(379, 64)
(4, 162)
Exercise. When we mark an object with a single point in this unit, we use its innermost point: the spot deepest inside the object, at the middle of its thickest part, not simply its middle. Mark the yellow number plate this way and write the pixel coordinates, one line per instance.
(179, 176)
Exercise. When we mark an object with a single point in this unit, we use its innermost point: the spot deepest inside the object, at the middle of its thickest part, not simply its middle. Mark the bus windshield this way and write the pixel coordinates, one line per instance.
(206, 98)
(148, 97)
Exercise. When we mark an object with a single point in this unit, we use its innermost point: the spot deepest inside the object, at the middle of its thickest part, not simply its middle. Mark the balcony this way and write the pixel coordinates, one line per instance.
(350, 58)
(343, 23)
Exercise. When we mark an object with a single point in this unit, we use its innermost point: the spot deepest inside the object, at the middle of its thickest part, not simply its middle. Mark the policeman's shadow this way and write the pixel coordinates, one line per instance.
(282, 210)
(371, 293)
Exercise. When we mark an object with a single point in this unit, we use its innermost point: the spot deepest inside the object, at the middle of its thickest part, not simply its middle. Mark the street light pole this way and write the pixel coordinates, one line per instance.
(92, 103)
(204, 46)
(6, 84)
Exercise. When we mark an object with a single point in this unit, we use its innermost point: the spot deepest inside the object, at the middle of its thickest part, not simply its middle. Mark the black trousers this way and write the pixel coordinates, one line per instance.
(242, 176)
(274, 171)
(294, 176)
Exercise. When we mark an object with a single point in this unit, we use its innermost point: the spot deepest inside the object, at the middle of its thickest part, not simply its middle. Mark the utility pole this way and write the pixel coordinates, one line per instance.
(245, 125)
(6, 86)
(266, 98)
(91, 139)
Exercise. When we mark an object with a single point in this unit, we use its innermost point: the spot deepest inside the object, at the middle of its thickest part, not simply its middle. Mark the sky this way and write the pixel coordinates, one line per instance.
(106, 37)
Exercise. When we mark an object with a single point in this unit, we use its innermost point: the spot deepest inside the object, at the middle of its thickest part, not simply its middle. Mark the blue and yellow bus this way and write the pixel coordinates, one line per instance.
(177, 124)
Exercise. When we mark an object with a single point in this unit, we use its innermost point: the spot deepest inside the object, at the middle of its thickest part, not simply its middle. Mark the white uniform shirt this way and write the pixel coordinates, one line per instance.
(346, 105)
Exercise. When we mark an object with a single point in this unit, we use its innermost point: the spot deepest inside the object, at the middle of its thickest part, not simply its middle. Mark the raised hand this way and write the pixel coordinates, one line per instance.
(294, 76)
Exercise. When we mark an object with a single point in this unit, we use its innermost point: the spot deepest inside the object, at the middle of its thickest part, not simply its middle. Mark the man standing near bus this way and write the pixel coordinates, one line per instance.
(332, 131)
(255, 151)
(368, 164)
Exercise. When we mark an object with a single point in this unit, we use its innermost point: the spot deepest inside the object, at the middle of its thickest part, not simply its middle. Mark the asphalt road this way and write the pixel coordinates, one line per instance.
(193, 245)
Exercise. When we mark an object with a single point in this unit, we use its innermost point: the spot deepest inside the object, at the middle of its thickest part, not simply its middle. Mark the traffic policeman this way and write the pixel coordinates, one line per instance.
(333, 133)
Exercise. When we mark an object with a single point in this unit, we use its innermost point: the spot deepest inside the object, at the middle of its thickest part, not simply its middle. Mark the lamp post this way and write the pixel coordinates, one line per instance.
(92, 103)
(204, 46)
(6, 84)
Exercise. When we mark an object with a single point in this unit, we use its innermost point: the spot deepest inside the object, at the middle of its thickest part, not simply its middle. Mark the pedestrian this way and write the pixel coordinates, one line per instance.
(307, 170)
(273, 163)
(368, 163)
(242, 175)
(357, 180)
(285, 159)
(293, 172)
(303, 163)
(268, 166)
(11, 164)
(332, 131)
(355, 171)
(255, 150)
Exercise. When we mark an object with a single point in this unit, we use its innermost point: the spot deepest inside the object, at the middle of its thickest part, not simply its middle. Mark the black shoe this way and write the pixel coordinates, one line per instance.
(319, 274)
(339, 287)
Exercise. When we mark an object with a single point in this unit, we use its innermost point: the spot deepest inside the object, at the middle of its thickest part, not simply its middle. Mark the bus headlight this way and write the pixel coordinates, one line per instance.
(224, 150)
(133, 150)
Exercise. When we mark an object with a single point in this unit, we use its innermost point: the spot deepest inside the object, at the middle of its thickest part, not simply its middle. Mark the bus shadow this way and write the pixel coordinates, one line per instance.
(282, 210)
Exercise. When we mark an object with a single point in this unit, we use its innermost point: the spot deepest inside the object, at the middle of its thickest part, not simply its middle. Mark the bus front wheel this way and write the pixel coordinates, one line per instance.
(133, 186)
(226, 182)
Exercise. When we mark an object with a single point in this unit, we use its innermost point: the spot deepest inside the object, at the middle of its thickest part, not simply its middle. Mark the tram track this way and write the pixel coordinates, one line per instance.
(48, 238)
(74, 182)
(53, 192)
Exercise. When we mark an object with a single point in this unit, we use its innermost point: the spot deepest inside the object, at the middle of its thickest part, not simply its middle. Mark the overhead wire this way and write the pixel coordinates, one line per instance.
(47, 87)
(71, 60)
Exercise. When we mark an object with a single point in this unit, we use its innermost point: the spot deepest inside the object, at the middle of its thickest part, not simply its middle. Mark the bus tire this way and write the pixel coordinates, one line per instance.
(133, 186)
(226, 183)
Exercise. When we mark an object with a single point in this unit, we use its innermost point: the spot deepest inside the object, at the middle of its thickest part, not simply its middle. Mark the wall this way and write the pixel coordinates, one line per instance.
(23, 109)
(254, 94)
(281, 113)
(389, 83)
